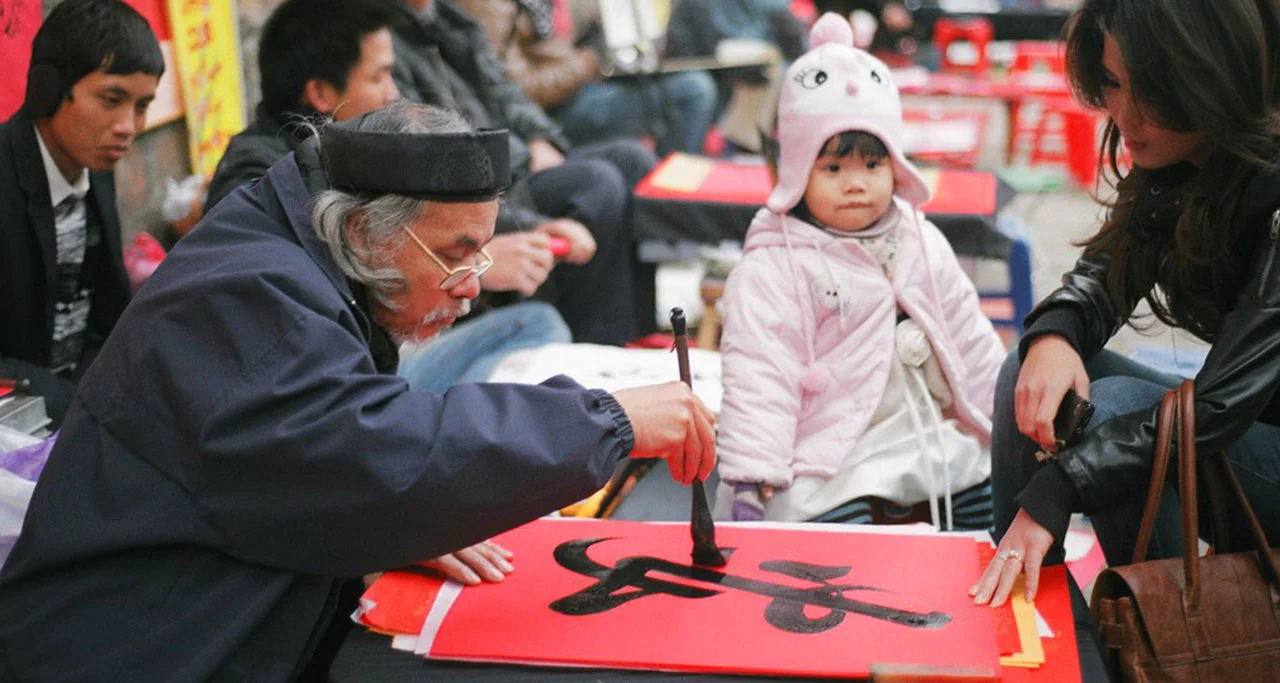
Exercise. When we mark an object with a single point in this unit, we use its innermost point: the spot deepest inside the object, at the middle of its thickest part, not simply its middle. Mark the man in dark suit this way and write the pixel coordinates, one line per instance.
(95, 65)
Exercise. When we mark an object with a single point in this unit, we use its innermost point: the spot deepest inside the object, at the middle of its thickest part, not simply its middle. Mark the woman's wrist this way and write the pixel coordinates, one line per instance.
(1050, 498)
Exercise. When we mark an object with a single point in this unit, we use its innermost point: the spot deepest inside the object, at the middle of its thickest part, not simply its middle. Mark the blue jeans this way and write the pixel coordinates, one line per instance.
(681, 105)
(469, 352)
(1119, 386)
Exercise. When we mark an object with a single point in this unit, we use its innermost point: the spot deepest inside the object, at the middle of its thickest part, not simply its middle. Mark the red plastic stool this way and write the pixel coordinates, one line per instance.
(1080, 128)
(977, 32)
(1038, 55)
(1067, 134)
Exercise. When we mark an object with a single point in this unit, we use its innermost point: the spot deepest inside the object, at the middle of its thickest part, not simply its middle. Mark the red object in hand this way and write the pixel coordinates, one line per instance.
(560, 246)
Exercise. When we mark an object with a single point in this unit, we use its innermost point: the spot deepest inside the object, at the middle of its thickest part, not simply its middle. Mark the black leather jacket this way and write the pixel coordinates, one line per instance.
(1235, 388)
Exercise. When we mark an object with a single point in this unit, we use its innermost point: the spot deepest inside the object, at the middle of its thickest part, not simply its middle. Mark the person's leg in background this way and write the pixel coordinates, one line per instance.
(605, 110)
(469, 352)
(677, 109)
(597, 299)
(689, 101)
(1013, 463)
(634, 161)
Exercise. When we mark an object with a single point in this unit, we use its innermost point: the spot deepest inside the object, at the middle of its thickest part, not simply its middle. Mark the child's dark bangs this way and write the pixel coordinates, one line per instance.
(865, 145)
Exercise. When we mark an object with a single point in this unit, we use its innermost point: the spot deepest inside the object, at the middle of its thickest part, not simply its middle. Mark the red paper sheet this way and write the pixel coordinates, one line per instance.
(1053, 602)
(726, 629)
(1061, 659)
(19, 21)
(963, 192)
(737, 184)
(398, 602)
(954, 192)
(728, 183)
(1006, 625)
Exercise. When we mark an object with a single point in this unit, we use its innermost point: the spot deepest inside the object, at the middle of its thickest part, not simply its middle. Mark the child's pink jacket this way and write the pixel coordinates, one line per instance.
(809, 336)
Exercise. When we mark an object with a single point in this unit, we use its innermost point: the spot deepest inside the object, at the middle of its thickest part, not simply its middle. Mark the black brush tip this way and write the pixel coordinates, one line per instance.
(709, 557)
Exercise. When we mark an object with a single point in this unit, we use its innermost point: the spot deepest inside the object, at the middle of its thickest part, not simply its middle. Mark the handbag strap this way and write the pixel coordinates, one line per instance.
(1178, 408)
(1267, 558)
(1187, 492)
(1159, 470)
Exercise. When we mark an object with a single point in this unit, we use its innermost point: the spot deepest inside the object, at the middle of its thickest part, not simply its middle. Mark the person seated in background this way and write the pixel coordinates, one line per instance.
(95, 66)
(241, 448)
(697, 26)
(564, 80)
(322, 59)
(749, 93)
(317, 60)
(581, 195)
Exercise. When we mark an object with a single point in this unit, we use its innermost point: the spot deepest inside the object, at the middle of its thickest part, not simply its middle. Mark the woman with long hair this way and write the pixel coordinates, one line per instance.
(1191, 89)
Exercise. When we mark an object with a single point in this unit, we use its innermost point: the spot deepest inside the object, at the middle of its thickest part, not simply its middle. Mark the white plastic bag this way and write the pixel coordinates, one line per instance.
(22, 459)
(15, 496)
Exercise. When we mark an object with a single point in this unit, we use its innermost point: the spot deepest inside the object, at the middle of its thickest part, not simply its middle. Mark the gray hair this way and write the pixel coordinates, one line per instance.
(364, 235)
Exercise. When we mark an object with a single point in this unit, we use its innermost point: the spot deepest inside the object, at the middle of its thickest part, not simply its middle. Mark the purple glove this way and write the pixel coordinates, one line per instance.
(747, 505)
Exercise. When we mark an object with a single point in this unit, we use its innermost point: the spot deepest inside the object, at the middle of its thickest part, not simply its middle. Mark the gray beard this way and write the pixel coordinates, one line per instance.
(411, 336)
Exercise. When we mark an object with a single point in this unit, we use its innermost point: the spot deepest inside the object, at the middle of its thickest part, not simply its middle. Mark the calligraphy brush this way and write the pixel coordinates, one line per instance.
(701, 527)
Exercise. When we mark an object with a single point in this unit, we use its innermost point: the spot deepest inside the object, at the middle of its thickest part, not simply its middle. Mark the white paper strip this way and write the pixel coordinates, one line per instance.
(439, 609)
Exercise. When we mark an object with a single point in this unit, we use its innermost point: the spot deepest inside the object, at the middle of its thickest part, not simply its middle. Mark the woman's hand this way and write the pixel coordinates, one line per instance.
(486, 561)
(1022, 550)
(1051, 367)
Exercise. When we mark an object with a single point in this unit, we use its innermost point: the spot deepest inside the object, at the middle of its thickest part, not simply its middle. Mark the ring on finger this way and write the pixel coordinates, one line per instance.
(1015, 554)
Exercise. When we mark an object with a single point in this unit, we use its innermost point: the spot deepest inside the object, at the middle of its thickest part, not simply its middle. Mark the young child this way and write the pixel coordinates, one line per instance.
(858, 369)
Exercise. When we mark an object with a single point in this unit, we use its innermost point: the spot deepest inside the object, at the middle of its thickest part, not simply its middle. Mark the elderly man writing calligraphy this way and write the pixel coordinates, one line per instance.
(242, 444)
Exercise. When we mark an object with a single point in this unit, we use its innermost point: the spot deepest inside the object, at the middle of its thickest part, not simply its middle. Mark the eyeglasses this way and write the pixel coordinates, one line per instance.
(454, 276)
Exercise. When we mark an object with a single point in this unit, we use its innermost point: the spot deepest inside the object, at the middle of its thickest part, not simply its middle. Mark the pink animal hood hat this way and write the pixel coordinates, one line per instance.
(833, 88)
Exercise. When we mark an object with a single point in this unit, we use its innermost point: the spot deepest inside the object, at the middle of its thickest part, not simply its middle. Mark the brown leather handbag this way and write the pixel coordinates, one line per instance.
(1213, 618)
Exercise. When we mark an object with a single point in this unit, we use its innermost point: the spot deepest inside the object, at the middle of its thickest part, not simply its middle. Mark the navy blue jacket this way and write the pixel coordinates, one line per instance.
(234, 453)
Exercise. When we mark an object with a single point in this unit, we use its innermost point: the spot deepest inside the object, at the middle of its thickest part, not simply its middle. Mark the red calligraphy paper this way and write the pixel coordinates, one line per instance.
(398, 602)
(954, 192)
(1061, 658)
(1005, 624)
(19, 21)
(724, 627)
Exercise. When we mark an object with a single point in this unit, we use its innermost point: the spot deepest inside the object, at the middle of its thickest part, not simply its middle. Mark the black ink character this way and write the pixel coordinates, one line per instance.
(631, 578)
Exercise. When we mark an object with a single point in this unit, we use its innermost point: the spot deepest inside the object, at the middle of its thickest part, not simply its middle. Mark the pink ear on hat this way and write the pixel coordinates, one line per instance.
(831, 28)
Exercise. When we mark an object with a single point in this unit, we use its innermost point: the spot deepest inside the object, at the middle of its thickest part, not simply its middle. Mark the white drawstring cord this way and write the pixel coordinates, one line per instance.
(795, 281)
(913, 410)
(936, 418)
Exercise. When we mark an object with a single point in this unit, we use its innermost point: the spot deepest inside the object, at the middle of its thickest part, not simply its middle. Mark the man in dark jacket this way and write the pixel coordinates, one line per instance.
(95, 65)
(241, 447)
(443, 58)
(322, 59)
(317, 60)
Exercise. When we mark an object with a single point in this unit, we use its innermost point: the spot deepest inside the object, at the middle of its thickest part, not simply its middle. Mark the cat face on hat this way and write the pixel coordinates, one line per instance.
(833, 88)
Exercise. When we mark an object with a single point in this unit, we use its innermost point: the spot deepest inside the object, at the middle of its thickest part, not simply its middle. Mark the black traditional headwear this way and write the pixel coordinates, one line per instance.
(451, 167)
